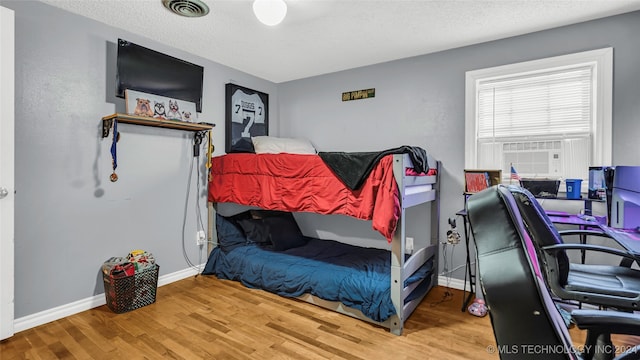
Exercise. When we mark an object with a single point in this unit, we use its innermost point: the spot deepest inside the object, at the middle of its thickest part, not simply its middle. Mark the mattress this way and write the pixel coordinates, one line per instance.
(355, 276)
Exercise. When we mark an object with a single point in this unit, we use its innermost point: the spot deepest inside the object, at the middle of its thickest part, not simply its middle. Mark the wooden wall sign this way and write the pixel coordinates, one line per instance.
(358, 94)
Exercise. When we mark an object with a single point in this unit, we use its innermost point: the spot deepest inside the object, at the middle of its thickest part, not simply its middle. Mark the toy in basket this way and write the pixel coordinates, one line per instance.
(130, 282)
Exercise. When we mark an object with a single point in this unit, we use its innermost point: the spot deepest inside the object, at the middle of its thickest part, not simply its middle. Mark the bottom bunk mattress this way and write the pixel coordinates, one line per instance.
(358, 277)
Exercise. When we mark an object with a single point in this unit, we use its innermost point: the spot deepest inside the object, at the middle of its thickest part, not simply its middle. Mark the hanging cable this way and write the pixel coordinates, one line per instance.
(184, 219)
(198, 212)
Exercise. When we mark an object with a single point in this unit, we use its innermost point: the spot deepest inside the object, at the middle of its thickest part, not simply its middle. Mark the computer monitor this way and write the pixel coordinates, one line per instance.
(625, 198)
(597, 183)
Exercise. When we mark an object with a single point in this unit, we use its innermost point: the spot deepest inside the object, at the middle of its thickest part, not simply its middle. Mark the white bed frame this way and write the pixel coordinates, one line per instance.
(413, 190)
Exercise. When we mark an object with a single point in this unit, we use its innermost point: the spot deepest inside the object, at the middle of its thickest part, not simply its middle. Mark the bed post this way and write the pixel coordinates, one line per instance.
(397, 252)
(210, 226)
(435, 223)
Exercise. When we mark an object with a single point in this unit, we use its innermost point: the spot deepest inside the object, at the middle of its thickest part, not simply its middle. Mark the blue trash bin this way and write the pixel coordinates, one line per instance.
(573, 188)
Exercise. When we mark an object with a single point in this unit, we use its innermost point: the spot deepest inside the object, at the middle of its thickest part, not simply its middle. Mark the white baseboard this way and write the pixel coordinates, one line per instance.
(43, 317)
(452, 283)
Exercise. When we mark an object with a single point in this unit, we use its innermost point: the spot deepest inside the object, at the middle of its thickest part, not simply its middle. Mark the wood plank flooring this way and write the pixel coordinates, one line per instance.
(206, 318)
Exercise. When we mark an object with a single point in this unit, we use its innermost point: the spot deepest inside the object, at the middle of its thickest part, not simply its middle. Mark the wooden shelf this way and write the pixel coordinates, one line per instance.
(107, 122)
(489, 178)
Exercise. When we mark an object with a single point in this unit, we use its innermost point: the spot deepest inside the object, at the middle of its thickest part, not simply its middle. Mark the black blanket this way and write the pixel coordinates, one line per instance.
(354, 167)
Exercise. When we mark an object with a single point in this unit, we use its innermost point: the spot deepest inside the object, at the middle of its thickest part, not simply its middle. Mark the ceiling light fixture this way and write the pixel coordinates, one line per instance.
(270, 12)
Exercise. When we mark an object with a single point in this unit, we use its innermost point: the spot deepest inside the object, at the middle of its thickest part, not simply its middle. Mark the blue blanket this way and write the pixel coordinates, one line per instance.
(356, 276)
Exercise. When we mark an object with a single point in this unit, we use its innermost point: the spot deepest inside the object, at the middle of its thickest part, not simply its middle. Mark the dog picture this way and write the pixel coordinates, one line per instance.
(174, 112)
(159, 107)
(143, 108)
(159, 110)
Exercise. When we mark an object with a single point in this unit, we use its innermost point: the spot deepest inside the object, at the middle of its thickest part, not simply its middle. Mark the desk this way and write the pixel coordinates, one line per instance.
(588, 203)
(629, 239)
(587, 220)
(585, 223)
(472, 277)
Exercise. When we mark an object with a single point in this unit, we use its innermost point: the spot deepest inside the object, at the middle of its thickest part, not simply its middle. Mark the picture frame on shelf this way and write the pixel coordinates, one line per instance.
(160, 107)
(246, 115)
(476, 180)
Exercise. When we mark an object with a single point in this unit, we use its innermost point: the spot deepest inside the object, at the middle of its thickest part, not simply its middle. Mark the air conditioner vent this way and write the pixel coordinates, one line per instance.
(188, 8)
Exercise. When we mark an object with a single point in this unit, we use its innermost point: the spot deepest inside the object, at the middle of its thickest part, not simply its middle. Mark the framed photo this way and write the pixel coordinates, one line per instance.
(148, 105)
(247, 114)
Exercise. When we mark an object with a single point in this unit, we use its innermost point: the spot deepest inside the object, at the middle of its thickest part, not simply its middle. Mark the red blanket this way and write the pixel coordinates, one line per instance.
(303, 183)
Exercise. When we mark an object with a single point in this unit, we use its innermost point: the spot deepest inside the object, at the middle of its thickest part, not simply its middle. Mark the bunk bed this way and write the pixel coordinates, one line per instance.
(326, 272)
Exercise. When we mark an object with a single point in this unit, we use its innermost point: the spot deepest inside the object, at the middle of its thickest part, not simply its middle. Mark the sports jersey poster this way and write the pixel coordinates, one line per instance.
(247, 115)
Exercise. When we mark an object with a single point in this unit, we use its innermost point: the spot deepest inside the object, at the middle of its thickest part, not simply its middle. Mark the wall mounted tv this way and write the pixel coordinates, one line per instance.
(149, 71)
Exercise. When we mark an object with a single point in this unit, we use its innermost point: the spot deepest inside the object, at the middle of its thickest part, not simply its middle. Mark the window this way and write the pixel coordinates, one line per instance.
(548, 118)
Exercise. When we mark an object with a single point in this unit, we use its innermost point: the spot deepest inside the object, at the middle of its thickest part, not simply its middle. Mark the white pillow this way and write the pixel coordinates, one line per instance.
(275, 145)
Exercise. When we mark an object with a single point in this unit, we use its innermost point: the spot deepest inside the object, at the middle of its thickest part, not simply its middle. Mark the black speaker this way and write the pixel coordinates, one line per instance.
(609, 172)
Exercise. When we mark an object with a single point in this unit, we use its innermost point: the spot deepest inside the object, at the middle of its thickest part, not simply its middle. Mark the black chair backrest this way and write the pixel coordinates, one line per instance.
(520, 305)
(543, 232)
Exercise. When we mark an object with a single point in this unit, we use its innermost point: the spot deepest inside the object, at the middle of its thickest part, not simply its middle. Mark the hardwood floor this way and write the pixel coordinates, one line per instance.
(207, 318)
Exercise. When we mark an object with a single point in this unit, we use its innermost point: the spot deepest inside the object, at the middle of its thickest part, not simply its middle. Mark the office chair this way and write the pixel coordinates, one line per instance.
(603, 285)
(525, 320)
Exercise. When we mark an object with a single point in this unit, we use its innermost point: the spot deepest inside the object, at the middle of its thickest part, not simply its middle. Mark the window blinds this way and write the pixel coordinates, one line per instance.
(557, 102)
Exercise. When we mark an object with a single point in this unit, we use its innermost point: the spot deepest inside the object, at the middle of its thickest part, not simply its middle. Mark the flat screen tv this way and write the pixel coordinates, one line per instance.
(149, 71)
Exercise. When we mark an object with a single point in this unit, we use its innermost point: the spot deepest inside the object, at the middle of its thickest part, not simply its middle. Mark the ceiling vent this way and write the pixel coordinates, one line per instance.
(188, 8)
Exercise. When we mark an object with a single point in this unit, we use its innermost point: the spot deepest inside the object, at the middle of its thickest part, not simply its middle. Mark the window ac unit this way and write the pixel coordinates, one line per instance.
(555, 159)
(534, 158)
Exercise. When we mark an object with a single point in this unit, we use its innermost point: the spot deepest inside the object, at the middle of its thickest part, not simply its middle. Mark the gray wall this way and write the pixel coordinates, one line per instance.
(69, 217)
(420, 101)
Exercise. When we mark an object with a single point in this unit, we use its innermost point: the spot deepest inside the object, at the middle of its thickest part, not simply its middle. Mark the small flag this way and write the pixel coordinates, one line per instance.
(514, 174)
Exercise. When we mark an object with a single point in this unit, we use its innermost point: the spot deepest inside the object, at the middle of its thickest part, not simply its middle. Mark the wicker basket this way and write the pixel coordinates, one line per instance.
(131, 292)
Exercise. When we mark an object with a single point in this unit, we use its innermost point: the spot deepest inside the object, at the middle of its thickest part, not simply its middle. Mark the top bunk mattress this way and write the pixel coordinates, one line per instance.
(304, 183)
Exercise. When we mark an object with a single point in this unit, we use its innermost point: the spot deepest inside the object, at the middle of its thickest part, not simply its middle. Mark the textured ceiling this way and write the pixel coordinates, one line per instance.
(323, 36)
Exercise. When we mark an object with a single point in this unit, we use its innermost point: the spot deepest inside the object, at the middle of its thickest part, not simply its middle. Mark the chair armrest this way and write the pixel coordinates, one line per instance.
(585, 232)
(600, 324)
(599, 233)
(607, 322)
(626, 262)
(631, 354)
(599, 248)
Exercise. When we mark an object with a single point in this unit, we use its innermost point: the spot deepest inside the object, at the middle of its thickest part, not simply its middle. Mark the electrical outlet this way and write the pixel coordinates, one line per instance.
(408, 245)
(201, 238)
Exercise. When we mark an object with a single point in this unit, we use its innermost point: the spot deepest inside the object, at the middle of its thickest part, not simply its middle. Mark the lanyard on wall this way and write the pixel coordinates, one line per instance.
(114, 157)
